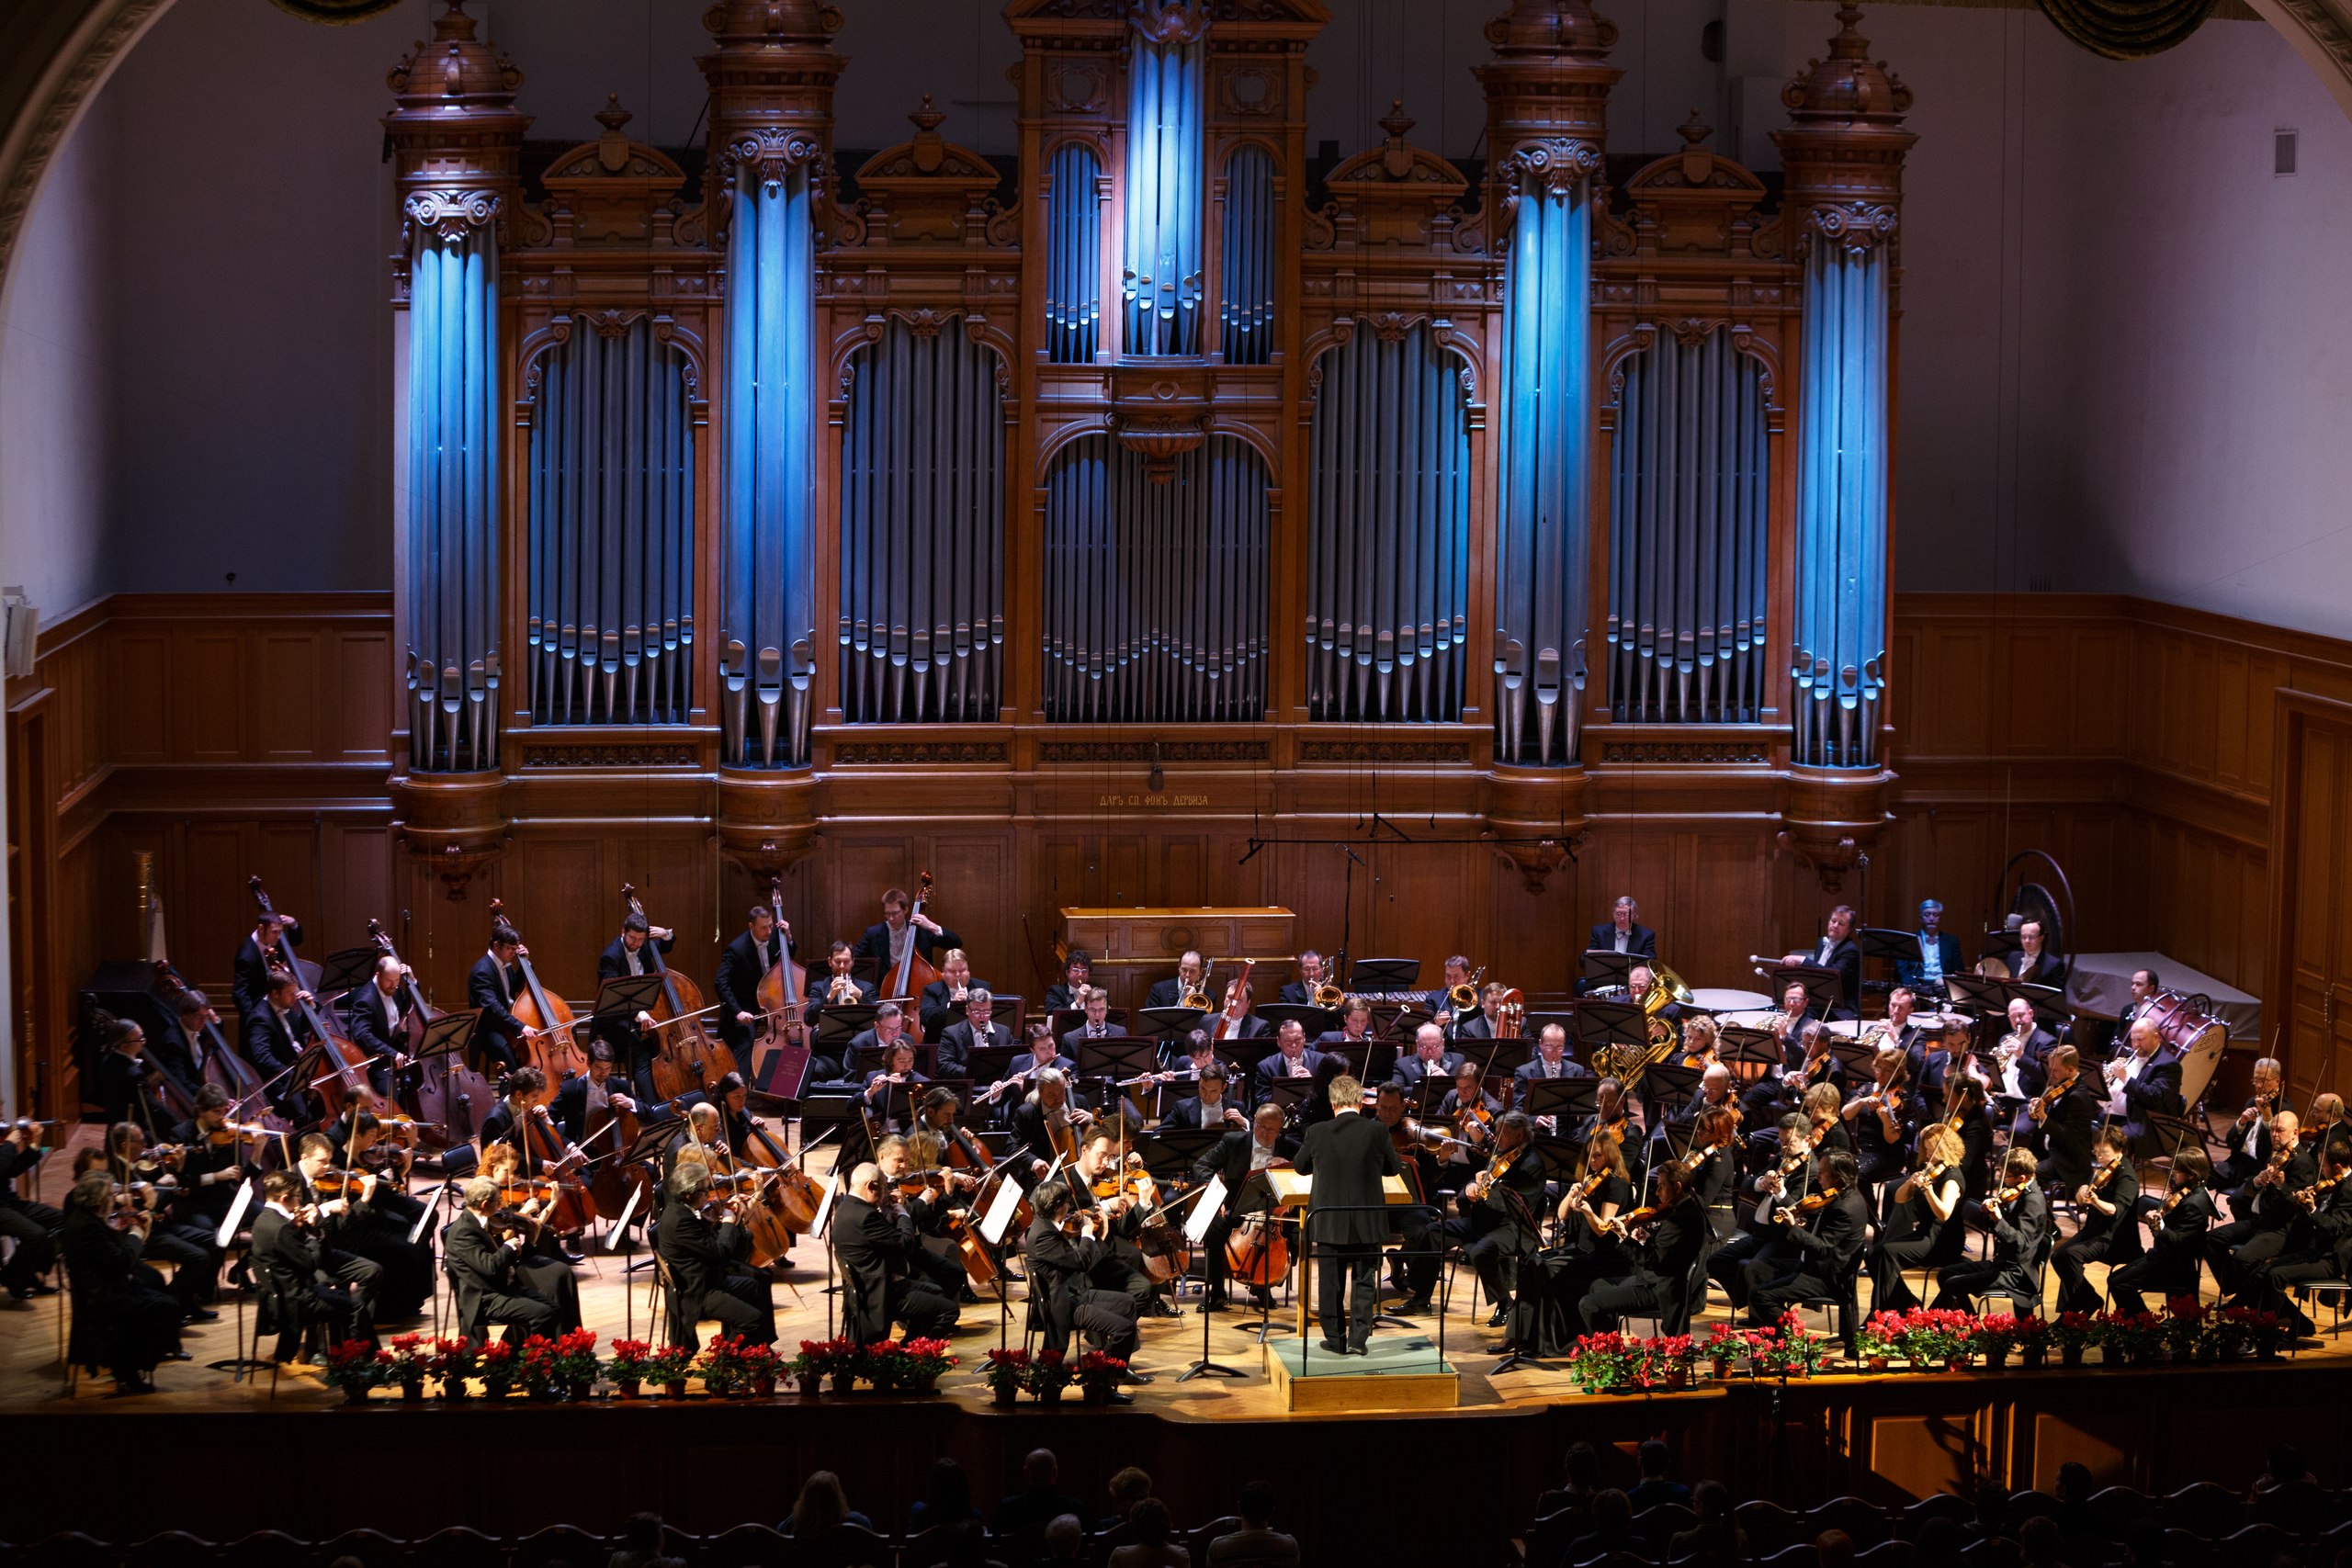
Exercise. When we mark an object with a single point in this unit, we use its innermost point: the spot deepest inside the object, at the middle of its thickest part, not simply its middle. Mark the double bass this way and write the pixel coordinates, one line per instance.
(783, 991)
(332, 1068)
(555, 1049)
(225, 1067)
(686, 1055)
(905, 982)
(448, 1095)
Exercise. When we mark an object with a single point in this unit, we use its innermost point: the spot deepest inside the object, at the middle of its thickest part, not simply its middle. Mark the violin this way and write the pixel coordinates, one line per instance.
(2009, 1194)
(1811, 1203)
(2103, 1175)
(552, 1046)
(1483, 1183)
(2047, 1100)
(1130, 1181)
(2173, 1197)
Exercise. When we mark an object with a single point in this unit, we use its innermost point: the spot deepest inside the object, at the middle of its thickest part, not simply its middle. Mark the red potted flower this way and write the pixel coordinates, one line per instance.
(627, 1367)
(355, 1366)
(1006, 1374)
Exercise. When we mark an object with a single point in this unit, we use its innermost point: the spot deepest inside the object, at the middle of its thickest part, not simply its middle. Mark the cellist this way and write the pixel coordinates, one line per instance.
(599, 1088)
(887, 943)
(1241, 1157)
(765, 942)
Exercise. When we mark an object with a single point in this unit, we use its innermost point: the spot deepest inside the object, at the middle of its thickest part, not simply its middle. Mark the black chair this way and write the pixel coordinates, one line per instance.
(2256, 1546)
(372, 1548)
(845, 1546)
(267, 1549)
(560, 1543)
(1661, 1522)
(1768, 1525)
(1198, 1541)
(1803, 1554)
(2203, 1510)
(1890, 1554)
(461, 1546)
(1943, 1506)
(1843, 1307)
(173, 1549)
(2114, 1509)
(1549, 1538)
(745, 1546)
(2031, 1504)
(1865, 1523)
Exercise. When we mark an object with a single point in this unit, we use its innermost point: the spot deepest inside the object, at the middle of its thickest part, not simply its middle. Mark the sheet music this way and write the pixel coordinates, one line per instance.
(619, 1235)
(1205, 1209)
(237, 1207)
(1001, 1208)
(825, 1208)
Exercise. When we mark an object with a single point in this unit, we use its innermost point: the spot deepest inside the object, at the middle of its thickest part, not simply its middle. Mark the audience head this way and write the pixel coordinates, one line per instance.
(1711, 1500)
(1939, 1543)
(950, 1495)
(1041, 1468)
(1836, 1548)
(643, 1532)
(1654, 1458)
(1148, 1520)
(1064, 1537)
(822, 1506)
(1611, 1510)
(2287, 1463)
(1583, 1467)
(2074, 1483)
(2039, 1540)
(1127, 1488)
(1256, 1504)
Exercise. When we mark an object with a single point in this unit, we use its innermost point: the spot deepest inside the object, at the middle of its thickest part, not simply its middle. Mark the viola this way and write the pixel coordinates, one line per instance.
(687, 1056)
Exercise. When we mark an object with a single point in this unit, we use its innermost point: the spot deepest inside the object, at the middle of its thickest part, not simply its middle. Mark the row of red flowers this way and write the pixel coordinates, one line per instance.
(1045, 1374)
(568, 1365)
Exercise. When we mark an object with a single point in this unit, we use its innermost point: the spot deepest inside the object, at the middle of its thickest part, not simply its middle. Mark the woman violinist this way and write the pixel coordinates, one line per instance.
(1916, 1231)
(1590, 1248)
(522, 1210)
(124, 1320)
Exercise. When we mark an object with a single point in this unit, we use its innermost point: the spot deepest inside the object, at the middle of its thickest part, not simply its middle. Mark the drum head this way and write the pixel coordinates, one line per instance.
(1724, 999)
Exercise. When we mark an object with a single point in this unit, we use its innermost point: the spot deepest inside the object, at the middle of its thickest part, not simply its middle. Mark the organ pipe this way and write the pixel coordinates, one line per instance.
(1160, 280)
(1245, 275)
(1074, 256)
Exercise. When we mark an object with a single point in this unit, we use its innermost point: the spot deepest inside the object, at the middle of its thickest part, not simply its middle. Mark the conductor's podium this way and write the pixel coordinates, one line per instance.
(1405, 1371)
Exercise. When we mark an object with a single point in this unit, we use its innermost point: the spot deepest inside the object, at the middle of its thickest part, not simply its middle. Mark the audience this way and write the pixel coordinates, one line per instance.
(1065, 1538)
(1715, 1538)
(1127, 1488)
(1612, 1529)
(1582, 1482)
(1153, 1546)
(641, 1544)
(2041, 1543)
(1257, 1544)
(2287, 1468)
(823, 1508)
(1041, 1499)
(1654, 1488)
(947, 1501)
(1937, 1545)
(1836, 1548)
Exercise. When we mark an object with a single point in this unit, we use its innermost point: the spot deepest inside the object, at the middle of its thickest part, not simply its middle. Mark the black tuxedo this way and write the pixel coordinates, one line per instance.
(1298, 994)
(1411, 1070)
(2156, 1091)
(938, 1012)
(1061, 1269)
(1826, 1248)
(1845, 957)
(1187, 1112)
(485, 1276)
(1470, 1026)
(250, 986)
(2112, 1239)
(709, 1281)
(2172, 1267)
(2021, 1229)
(1077, 1037)
(2049, 970)
(1660, 1276)
(1058, 998)
(1166, 994)
(613, 962)
(1913, 972)
(876, 944)
(1640, 940)
(956, 1046)
(494, 988)
(1276, 1066)
(377, 1025)
(877, 1260)
(737, 985)
(2062, 1138)
(1252, 1027)
(272, 1043)
(1530, 1072)
(1347, 1156)
(311, 1282)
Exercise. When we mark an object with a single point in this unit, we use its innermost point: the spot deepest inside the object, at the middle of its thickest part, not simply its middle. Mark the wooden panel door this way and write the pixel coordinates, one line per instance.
(2308, 1009)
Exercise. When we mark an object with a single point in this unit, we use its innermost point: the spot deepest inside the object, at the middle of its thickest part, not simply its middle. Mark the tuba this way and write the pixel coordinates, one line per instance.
(1665, 1035)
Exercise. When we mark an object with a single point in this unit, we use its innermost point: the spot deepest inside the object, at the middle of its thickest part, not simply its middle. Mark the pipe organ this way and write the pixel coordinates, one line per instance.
(1163, 439)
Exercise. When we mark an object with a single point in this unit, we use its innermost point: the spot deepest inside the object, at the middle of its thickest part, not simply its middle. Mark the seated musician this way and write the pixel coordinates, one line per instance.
(1061, 1253)
(1500, 1217)
(599, 1089)
(889, 1028)
(2328, 1124)
(1078, 975)
(1701, 1042)
(1102, 1168)
(175, 1237)
(2020, 1061)
(1964, 1098)
(2249, 1136)
(1440, 1003)
(1591, 1247)
(1621, 932)
(1254, 1145)
(520, 1092)
(124, 1320)
(484, 1259)
(1710, 1163)
(1881, 1118)
(543, 1262)
(2171, 1266)
(701, 1248)
(2327, 1254)
(1237, 1015)
(2143, 1083)
(1427, 1062)
(888, 1089)
(703, 1141)
(976, 1028)
(1938, 953)
(296, 1251)
(764, 942)
(1714, 1094)
(1355, 1025)
(1209, 1106)
(1759, 1248)
(1291, 1058)
(374, 1222)
(890, 1276)
(2059, 1121)
(1658, 1277)
(1191, 973)
(1917, 1231)
(944, 999)
(1312, 971)
(2018, 1217)
(1838, 950)
(1044, 1123)
(31, 1224)
(1900, 1029)
(1825, 1241)
(1826, 1109)
(1096, 1002)
(922, 1197)
(180, 1050)
(265, 951)
(129, 1081)
(2109, 1233)
(626, 954)
(957, 1149)
(374, 1019)
(1020, 1074)
(2271, 1224)
(1640, 981)
(1796, 1010)
(493, 983)
(1807, 1059)
(902, 924)
(1550, 1062)
(2032, 963)
(1472, 1113)
(1612, 1114)
(1488, 1023)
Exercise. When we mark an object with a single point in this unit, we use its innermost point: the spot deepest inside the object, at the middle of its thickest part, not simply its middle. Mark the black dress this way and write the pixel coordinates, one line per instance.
(124, 1320)
(1547, 1321)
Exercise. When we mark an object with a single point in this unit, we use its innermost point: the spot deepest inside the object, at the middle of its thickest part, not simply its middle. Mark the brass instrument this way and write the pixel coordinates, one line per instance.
(1663, 1033)
(1464, 996)
(1511, 1015)
(1328, 996)
(1197, 997)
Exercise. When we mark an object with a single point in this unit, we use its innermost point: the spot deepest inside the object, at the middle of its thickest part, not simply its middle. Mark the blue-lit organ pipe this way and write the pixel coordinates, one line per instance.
(767, 652)
(452, 547)
(1074, 256)
(1839, 659)
(1245, 270)
(1689, 490)
(923, 529)
(612, 544)
(1388, 532)
(1544, 518)
(1160, 280)
(1154, 589)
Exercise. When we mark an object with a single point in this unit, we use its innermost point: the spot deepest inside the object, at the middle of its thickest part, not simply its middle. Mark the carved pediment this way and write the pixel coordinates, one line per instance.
(612, 191)
(929, 190)
(1694, 200)
(1396, 194)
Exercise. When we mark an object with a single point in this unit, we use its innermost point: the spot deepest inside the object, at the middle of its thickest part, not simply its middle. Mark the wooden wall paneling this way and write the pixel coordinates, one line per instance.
(140, 676)
(358, 698)
(358, 861)
(284, 670)
(564, 902)
(206, 677)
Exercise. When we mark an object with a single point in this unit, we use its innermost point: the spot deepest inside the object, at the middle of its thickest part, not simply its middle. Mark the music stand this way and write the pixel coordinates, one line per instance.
(1563, 1157)
(1062, 1020)
(1531, 1026)
(1291, 1095)
(1825, 989)
(1603, 1026)
(1006, 1011)
(1605, 967)
(1109, 1062)
(1561, 1097)
(1421, 1097)
(1356, 1054)
(1165, 1023)
(1197, 1225)
(1307, 1015)
(1741, 1048)
(624, 996)
(654, 1140)
(1181, 1146)
(1892, 946)
(1504, 1054)
(840, 1022)
(1857, 1056)
(448, 1034)
(1671, 1085)
(1991, 998)
(871, 1057)
(346, 970)
(1382, 975)
(986, 1063)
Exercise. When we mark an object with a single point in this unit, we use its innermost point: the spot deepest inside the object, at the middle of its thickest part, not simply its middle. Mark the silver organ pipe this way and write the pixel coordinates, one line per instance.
(921, 627)
(1689, 493)
(1389, 532)
(1245, 263)
(610, 622)
(1074, 256)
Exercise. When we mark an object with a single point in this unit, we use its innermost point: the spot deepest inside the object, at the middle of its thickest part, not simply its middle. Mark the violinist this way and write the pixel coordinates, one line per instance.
(364, 1143)
(267, 949)
(2171, 1266)
(1078, 975)
(1965, 1104)
(1659, 1272)
(1045, 1124)
(2143, 1083)
(1291, 1059)
(1701, 1042)
(1879, 1119)
(542, 1261)
(1917, 1232)
(1711, 1164)
(32, 1223)
(370, 1219)
(975, 1029)
(492, 984)
(481, 1250)
(2109, 1233)
(1209, 1107)
(944, 999)
(213, 1164)
(1413, 1270)
(883, 1260)
(275, 1035)
(1487, 1023)
(1347, 1156)
(1760, 1244)
(311, 1279)
(1427, 1062)
(1500, 1211)
(2271, 1224)
(124, 1320)
(626, 954)
(1190, 979)
(903, 923)
(1551, 1061)
(1255, 1146)
(1612, 1113)
(130, 1085)
(701, 1248)
(1096, 1004)
(1591, 1247)
(2328, 1126)
(1826, 1229)
(1356, 1027)
(1313, 973)
(186, 1245)
(1714, 1095)
(376, 1020)
(2328, 1255)
(2249, 1136)
(765, 942)
(2018, 1216)
(1806, 1060)
(1472, 1113)
(889, 1089)
(1102, 1168)
(1061, 1253)
(2061, 1118)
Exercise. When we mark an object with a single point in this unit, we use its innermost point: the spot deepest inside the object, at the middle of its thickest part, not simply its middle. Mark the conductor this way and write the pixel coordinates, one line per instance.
(1347, 1155)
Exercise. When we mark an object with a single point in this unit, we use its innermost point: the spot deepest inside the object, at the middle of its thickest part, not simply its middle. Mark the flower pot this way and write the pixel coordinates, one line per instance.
(2265, 1352)
(1996, 1358)
(627, 1387)
(1955, 1363)
(1095, 1393)
(1876, 1364)
(676, 1390)
(810, 1387)
(1049, 1396)
(2070, 1355)
(1722, 1367)
(1003, 1397)
(844, 1381)
(1677, 1379)
(539, 1392)
(923, 1385)
(765, 1386)
(411, 1393)
(455, 1388)
(356, 1394)
(2033, 1357)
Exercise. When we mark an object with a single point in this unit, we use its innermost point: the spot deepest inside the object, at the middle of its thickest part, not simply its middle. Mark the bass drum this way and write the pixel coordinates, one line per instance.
(2189, 1030)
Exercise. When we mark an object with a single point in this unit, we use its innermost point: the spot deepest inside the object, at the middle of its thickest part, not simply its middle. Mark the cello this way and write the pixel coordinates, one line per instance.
(785, 1201)
(783, 990)
(686, 1055)
(449, 1095)
(905, 983)
(554, 1049)
(619, 1186)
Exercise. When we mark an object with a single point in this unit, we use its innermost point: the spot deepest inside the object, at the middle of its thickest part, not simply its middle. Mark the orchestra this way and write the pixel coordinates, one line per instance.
(2000, 1149)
